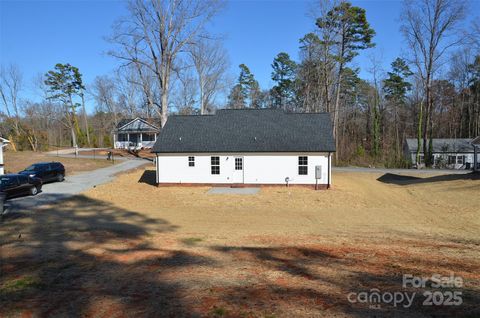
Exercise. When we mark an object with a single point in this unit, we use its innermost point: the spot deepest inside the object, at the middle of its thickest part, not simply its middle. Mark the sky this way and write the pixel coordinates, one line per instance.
(36, 35)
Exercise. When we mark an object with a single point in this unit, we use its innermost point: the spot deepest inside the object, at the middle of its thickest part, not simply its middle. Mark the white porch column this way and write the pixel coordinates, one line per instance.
(114, 141)
(141, 138)
(475, 160)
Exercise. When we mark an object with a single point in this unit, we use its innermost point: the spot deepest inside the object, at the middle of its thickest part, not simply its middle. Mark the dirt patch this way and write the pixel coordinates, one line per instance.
(17, 161)
(131, 249)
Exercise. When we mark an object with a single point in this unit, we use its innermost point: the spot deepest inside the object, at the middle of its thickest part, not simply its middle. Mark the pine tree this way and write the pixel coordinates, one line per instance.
(284, 73)
(246, 92)
(65, 82)
(353, 33)
(395, 88)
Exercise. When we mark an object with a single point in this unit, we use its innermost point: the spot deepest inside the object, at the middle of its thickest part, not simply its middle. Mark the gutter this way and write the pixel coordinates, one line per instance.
(328, 171)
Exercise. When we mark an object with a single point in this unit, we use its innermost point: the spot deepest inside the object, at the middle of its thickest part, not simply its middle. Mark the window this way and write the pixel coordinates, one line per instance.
(191, 161)
(215, 161)
(460, 160)
(148, 137)
(451, 160)
(303, 165)
(238, 163)
(122, 137)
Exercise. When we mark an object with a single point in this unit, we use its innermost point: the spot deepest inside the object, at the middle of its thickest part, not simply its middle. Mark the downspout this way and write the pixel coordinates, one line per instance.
(157, 177)
(328, 172)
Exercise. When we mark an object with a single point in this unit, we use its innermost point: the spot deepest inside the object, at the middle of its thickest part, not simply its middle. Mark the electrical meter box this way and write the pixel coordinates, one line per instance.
(318, 172)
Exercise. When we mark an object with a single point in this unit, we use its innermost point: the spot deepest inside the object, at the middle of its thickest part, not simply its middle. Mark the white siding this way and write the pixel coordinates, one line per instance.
(261, 168)
(436, 156)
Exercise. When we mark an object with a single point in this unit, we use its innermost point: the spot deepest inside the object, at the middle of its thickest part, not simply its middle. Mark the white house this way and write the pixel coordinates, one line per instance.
(3, 143)
(246, 147)
(457, 153)
(135, 133)
(476, 153)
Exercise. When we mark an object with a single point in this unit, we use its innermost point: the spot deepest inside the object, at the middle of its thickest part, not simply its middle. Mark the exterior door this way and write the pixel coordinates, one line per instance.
(238, 170)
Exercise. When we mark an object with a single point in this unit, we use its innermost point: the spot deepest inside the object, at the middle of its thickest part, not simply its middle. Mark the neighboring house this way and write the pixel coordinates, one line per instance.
(135, 133)
(3, 143)
(248, 146)
(447, 153)
(476, 151)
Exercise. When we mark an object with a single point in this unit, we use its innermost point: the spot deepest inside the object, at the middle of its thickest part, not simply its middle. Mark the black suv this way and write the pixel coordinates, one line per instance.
(46, 171)
(13, 185)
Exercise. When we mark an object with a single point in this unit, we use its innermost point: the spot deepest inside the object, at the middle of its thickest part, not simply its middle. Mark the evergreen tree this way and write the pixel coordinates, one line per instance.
(284, 73)
(353, 33)
(246, 92)
(236, 99)
(395, 88)
(64, 83)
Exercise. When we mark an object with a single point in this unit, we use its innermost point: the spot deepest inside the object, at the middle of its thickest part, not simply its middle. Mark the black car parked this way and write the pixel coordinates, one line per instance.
(47, 171)
(13, 185)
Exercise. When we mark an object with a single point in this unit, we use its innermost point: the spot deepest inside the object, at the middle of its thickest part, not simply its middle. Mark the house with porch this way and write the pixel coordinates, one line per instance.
(238, 147)
(453, 153)
(476, 153)
(136, 133)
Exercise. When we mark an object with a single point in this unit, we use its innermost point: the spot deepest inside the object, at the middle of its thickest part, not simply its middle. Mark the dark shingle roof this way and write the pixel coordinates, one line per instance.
(443, 145)
(476, 141)
(129, 124)
(247, 130)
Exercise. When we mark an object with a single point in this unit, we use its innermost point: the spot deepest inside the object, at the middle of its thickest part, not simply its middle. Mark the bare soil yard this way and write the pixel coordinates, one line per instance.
(129, 249)
(16, 161)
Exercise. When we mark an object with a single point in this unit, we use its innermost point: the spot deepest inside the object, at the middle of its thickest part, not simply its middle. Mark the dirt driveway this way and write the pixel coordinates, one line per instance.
(128, 249)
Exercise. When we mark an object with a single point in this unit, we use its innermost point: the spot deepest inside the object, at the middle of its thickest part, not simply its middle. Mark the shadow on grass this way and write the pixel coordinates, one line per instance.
(397, 179)
(148, 177)
(301, 280)
(58, 261)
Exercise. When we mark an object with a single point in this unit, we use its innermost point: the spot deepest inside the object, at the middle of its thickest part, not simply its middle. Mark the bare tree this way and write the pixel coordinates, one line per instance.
(156, 32)
(103, 91)
(430, 28)
(11, 84)
(210, 63)
(128, 96)
(186, 92)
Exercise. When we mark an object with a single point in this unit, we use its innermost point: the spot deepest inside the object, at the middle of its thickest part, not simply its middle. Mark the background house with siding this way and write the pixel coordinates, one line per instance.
(247, 146)
(136, 133)
(454, 153)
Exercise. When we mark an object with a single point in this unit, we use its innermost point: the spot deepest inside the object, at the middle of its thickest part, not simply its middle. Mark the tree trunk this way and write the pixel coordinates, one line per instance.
(335, 113)
(202, 98)
(85, 118)
(419, 134)
(164, 111)
(426, 121)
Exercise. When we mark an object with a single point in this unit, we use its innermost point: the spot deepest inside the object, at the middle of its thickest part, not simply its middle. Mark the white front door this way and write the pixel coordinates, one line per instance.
(238, 170)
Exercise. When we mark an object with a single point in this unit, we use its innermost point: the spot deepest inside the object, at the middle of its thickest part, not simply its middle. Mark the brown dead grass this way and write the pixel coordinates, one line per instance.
(17, 161)
(357, 204)
(129, 249)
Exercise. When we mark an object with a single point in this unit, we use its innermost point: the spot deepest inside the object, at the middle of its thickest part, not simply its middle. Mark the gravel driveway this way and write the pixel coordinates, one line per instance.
(75, 184)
